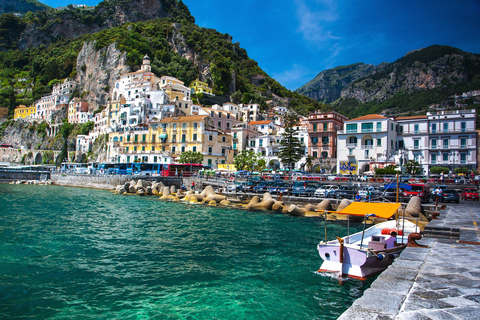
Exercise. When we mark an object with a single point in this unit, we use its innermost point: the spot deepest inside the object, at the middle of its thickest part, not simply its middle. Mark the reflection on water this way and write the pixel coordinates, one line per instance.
(80, 253)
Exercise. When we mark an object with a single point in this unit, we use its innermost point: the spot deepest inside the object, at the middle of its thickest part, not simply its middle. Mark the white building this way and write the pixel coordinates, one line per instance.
(442, 139)
(60, 96)
(365, 143)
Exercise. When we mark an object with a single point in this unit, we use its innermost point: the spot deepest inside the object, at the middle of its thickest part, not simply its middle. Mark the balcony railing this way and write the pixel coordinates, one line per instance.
(367, 146)
(351, 145)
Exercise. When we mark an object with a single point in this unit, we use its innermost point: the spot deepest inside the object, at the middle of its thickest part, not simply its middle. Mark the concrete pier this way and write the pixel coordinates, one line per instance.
(438, 282)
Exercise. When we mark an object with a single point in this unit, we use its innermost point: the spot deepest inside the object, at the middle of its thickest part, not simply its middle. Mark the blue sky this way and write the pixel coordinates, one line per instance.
(294, 40)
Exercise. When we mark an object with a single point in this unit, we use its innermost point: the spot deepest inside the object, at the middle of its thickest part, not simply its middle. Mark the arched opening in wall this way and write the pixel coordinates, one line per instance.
(365, 168)
(38, 158)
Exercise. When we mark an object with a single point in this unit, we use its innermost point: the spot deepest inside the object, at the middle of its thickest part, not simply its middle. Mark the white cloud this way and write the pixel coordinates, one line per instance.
(294, 78)
(314, 19)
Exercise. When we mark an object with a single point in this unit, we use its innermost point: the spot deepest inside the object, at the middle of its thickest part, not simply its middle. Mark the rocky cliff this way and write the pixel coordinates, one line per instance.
(47, 27)
(328, 85)
(97, 72)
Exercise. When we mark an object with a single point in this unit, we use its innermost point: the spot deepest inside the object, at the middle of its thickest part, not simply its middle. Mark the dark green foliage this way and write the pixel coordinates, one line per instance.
(66, 129)
(11, 27)
(42, 129)
(438, 170)
(390, 169)
(463, 170)
(86, 128)
(191, 157)
(291, 151)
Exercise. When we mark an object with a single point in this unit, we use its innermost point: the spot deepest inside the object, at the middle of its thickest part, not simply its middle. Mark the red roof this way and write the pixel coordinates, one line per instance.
(260, 122)
(368, 117)
(411, 117)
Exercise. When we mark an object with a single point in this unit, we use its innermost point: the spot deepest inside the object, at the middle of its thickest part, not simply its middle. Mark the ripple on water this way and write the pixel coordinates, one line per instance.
(80, 253)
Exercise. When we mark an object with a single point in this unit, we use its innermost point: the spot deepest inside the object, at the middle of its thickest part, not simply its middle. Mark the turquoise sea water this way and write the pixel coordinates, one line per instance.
(71, 253)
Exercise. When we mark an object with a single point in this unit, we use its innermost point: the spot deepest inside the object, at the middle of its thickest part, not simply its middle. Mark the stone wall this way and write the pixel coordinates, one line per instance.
(107, 182)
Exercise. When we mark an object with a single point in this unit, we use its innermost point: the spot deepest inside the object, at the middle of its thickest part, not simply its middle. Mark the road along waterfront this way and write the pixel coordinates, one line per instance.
(84, 253)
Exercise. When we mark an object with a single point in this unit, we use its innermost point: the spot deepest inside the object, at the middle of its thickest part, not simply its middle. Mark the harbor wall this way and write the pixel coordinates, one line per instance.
(8, 176)
(107, 182)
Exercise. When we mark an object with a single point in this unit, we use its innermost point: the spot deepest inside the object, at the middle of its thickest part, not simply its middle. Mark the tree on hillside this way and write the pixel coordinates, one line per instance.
(245, 160)
(191, 157)
(291, 151)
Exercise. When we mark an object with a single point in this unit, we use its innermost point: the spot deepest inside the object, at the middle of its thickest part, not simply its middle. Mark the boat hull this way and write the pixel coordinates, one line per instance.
(357, 263)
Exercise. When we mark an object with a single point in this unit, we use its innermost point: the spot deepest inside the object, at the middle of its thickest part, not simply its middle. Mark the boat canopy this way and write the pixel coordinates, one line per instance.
(393, 185)
(381, 210)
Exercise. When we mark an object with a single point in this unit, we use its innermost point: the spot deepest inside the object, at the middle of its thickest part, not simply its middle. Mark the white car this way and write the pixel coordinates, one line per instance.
(323, 190)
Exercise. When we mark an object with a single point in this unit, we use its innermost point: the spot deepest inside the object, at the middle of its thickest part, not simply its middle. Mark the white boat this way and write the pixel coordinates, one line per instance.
(364, 254)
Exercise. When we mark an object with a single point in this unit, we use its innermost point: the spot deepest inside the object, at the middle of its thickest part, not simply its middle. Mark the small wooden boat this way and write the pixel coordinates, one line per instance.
(364, 254)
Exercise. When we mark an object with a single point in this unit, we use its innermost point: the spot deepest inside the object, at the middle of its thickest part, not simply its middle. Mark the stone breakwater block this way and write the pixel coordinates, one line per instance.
(324, 205)
(296, 211)
(266, 203)
(277, 206)
(121, 190)
(212, 203)
(379, 220)
(149, 191)
(165, 193)
(310, 207)
(311, 214)
(332, 217)
(141, 192)
(225, 203)
(175, 199)
(414, 206)
(173, 189)
(193, 200)
(343, 204)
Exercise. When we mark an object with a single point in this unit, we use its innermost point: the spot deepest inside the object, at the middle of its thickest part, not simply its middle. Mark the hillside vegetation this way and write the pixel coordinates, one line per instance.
(177, 47)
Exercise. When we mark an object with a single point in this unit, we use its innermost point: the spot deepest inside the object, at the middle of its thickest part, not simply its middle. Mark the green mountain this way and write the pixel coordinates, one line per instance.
(21, 6)
(40, 49)
(410, 85)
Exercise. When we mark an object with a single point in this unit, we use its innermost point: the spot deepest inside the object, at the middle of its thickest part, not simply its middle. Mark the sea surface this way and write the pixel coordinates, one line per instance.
(73, 253)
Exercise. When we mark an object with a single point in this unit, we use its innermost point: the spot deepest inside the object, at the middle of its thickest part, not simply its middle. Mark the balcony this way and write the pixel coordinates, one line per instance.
(351, 145)
(367, 146)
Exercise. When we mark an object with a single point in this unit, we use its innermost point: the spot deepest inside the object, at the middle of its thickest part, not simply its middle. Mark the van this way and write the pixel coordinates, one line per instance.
(421, 190)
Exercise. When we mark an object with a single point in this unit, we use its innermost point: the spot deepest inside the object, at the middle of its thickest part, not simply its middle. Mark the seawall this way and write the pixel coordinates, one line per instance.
(106, 182)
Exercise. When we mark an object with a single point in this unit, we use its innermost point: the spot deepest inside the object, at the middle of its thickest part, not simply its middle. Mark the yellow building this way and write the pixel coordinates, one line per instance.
(198, 86)
(24, 112)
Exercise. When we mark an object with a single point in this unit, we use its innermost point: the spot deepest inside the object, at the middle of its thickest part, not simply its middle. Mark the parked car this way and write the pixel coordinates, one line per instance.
(323, 190)
(421, 190)
(305, 188)
(248, 187)
(262, 186)
(235, 188)
(449, 195)
(469, 193)
(391, 194)
(280, 187)
(343, 192)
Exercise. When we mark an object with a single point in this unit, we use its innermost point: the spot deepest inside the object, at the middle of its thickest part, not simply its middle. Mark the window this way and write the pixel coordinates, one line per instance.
(314, 140)
(367, 154)
(224, 139)
(134, 148)
(163, 148)
(194, 138)
(352, 128)
(463, 143)
(153, 148)
(136, 138)
(324, 154)
(260, 142)
(325, 140)
(379, 126)
(144, 138)
(126, 149)
(128, 138)
(143, 148)
(350, 152)
(184, 126)
(173, 149)
(184, 137)
(314, 127)
(174, 126)
(195, 125)
(433, 158)
(155, 159)
(252, 143)
(325, 126)
(183, 149)
(210, 138)
(234, 135)
(367, 127)
(194, 149)
(434, 128)
(463, 127)
(209, 162)
(314, 154)
(401, 144)
(391, 126)
(128, 158)
(174, 138)
(153, 138)
(379, 142)
(416, 144)
(210, 150)
(463, 158)
(434, 143)
(445, 127)
(445, 143)
(415, 130)
(234, 146)
(352, 140)
(445, 157)
(219, 124)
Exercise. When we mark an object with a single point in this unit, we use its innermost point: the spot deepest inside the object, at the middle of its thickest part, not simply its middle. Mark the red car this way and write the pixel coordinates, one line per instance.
(469, 193)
